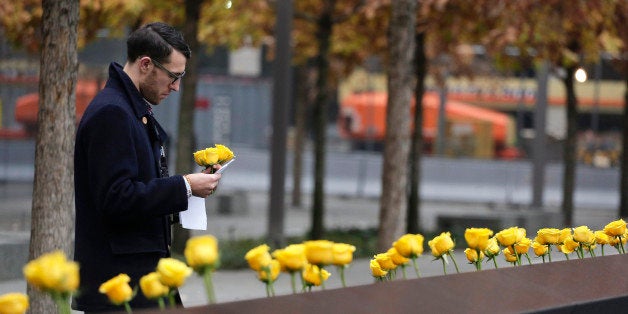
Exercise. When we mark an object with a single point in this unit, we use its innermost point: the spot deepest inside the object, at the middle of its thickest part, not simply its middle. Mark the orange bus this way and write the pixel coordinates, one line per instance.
(485, 132)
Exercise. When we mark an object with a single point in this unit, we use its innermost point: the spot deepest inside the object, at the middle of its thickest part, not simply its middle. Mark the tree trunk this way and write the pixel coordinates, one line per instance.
(413, 213)
(324, 30)
(298, 140)
(185, 138)
(623, 190)
(52, 226)
(569, 155)
(397, 142)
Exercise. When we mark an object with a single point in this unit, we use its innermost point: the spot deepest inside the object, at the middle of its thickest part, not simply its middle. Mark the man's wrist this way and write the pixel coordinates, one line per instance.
(188, 186)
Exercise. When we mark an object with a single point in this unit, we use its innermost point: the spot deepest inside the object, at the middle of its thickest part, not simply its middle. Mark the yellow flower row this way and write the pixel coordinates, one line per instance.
(482, 244)
(54, 274)
(407, 247)
(309, 258)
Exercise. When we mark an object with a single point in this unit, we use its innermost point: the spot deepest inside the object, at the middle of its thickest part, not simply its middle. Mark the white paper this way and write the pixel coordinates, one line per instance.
(224, 167)
(195, 217)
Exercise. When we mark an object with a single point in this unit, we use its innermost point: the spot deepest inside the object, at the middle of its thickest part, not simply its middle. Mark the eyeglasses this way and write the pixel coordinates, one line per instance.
(173, 76)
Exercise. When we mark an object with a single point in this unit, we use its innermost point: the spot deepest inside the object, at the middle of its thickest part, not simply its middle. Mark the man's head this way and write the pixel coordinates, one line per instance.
(156, 59)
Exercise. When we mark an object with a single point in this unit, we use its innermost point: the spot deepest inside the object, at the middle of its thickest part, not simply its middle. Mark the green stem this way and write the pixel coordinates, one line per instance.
(621, 244)
(293, 282)
(567, 256)
(162, 304)
(209, 287)
(127, 307)
(171, 299)
(403, 271)
(270, 290)
(444, 267)
(416, 267)
(341, 270)
(62, 303)
(602, 249)
(454, 260)
(528, 257)
(543, 258)
(495, 262)
(320, 276)
(549, 252)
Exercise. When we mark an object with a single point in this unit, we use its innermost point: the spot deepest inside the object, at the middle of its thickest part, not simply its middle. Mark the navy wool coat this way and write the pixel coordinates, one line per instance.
(122, 204)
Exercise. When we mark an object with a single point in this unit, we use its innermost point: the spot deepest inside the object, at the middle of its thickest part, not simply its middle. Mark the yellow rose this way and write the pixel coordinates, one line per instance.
(492, 248)
(569, 245)
(292, 257)
(615, 228)
(523, 246)
(224, 153)
(342, 253)
(201, 251)
(376, 269)
(117, 289)
(539, 249)
(509, 255)
(173, 272)
(477, 238)
(319, 252)
(258, 257)
(583, 235)
(312, 275)
(441, 244)
(206, 157)
(601, 237)
(510, 236)
(151, 286)
(472, 255)
(53, 272)
(397, 258)
(385, 262)
(614, 241)
(564, 234)
(13, 303)
(409, 245)
(274, 268)
(548, 236)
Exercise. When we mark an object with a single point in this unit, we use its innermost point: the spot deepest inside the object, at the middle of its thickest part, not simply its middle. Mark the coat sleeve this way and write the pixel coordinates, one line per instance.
(123, 172)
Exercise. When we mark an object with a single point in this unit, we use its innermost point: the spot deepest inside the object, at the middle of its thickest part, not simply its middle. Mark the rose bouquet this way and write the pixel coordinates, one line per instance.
(208, 157)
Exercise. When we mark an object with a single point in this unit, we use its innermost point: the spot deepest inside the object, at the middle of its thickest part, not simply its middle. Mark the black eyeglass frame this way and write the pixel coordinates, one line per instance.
(175, 77)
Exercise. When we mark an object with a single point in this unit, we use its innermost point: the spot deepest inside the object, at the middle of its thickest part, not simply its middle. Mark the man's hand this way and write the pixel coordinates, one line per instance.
(203, 184)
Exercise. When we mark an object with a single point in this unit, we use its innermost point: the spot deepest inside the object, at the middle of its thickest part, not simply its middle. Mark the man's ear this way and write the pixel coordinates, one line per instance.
(144, 64)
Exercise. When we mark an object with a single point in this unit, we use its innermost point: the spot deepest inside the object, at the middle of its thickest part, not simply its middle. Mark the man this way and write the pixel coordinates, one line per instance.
(124, 197)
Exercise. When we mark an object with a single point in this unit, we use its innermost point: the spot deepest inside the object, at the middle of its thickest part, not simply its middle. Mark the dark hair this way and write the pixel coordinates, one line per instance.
(156, 40)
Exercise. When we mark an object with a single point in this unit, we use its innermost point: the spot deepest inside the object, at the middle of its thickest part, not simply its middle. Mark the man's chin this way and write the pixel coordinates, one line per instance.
(153, 102)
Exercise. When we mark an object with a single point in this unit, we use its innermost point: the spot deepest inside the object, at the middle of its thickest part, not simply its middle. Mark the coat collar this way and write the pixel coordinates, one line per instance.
(137, 102)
